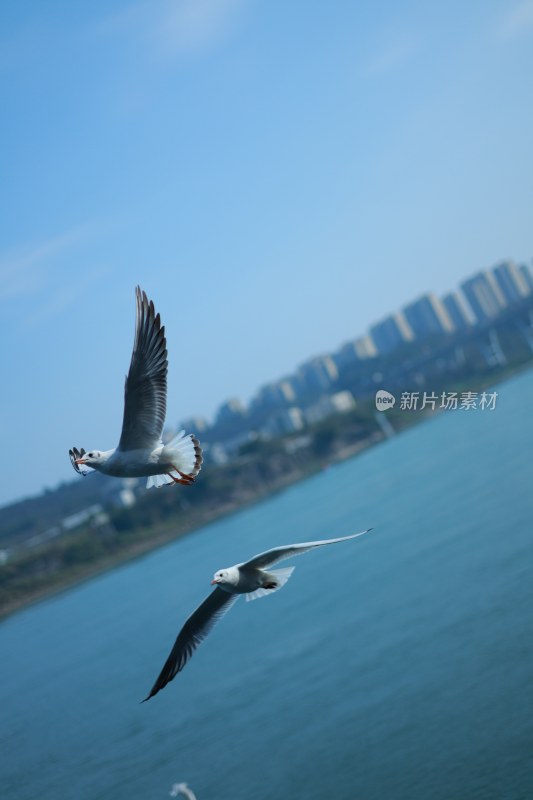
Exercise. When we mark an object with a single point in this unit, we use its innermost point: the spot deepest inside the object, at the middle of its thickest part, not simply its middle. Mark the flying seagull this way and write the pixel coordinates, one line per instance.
(141, 450)
(249, 578)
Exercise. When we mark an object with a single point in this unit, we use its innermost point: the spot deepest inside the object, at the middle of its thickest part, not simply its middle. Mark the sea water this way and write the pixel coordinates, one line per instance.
(397, 665)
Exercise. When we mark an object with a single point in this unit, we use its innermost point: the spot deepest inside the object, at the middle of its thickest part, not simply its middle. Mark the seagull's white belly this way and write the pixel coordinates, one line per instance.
(250, 580)
(135, 463)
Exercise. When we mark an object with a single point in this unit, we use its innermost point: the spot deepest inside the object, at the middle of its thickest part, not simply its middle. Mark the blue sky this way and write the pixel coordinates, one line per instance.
(276, 175)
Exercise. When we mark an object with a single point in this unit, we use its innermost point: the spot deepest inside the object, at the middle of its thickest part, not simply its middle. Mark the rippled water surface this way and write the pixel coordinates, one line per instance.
(396, 666)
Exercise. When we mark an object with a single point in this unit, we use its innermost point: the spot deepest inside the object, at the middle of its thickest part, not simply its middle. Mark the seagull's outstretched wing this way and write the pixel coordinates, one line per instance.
(145, 392)
(75, 454)
(193, 634)
(270, 557)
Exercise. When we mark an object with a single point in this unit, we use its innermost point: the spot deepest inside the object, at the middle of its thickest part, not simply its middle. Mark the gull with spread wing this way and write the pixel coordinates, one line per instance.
(141, 451)
(250, 578)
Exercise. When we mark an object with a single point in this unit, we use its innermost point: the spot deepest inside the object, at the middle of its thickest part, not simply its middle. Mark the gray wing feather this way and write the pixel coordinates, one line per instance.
(74, 455)
(145, 391)
(193, 633)
(270, 557)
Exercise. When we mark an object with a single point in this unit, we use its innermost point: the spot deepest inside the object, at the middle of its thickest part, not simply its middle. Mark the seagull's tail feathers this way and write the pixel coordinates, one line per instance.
(279, 579)
(184, 454)
(158, 480)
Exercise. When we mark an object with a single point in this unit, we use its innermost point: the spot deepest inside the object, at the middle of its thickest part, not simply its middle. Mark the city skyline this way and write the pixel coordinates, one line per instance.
(425, 315)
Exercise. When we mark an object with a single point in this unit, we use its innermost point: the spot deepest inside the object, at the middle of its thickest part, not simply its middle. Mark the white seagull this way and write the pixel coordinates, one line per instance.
(183, 789)
(249, 578)
(141, 450)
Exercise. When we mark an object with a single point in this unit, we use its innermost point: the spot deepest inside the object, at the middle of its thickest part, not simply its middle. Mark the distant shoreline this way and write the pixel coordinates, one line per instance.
(161, 535)
(156, 540)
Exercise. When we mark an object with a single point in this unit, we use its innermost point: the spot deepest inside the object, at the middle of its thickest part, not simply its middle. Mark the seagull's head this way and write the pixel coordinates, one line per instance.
(91, 459)
(226, 577)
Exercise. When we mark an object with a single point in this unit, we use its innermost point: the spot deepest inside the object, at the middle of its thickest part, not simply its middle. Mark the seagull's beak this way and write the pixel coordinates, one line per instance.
(214, 581)
(80, 461)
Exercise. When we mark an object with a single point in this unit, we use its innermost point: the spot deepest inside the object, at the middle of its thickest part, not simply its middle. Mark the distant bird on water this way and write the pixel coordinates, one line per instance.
(183, 789)
(141, 450)
(249, 578)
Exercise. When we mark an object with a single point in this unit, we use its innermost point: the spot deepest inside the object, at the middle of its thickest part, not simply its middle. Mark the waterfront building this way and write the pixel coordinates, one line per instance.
(356, 350)
(318, 374)
(283, 422)
(391, 333)
(197, 425)
(526, 274)
(511, 281)
(428, 316)
(458, 310)
(230, 412)
(274, 395)
(484, 295)
(338, 403)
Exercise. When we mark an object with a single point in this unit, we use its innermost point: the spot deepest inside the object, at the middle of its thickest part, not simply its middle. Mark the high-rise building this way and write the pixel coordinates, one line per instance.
(318, 374)
(427, 316)
(338, 403)
(391, 333)
(196, 425)
(355, 350)
(484, 295)
(458, 310)
(274, 395)
(230, 412)
(282, 422)
(526, 274)
(511, 281)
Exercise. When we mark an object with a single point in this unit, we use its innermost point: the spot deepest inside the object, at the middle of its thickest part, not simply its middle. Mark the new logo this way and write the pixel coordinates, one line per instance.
(384, 400)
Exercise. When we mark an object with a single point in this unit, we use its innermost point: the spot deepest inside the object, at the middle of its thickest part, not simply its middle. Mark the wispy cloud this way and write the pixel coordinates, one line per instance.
(172, 28)
(22, 269)
(65, 296)
(390, 55)
(518, 20)
(193, 26)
